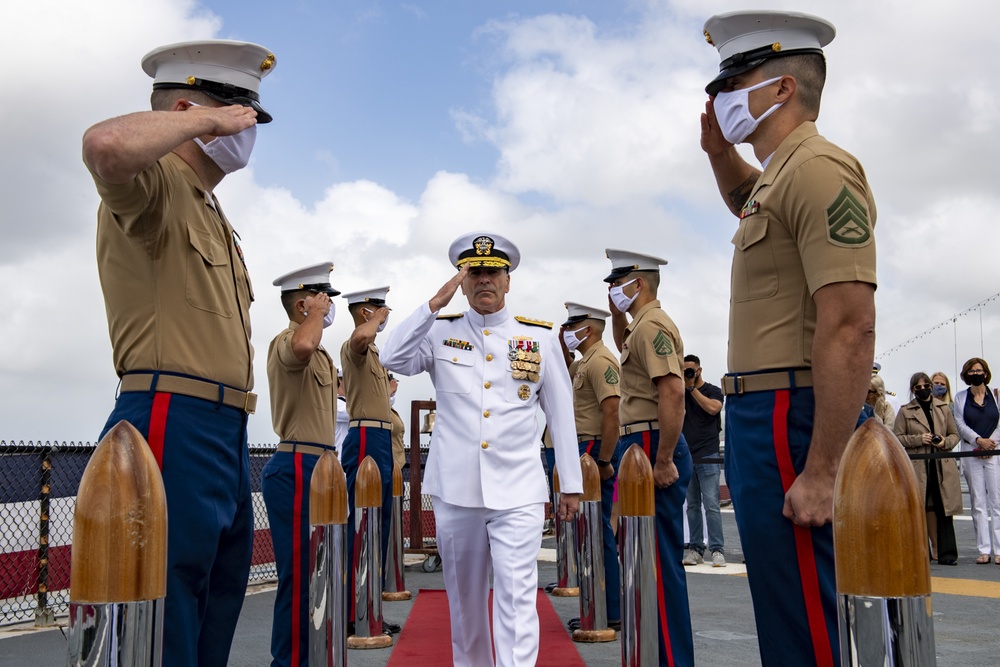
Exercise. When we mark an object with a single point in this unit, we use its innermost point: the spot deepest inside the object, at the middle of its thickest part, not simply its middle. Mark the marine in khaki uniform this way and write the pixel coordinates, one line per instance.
(300, 375)
(177, 296)
(398, 428)
(366, 386)
(596, 392)
(651, 413)
(491, 372)
(802, 318)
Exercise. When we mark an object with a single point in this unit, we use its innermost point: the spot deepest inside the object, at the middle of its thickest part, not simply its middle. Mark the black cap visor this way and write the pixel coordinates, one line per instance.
(226, 94)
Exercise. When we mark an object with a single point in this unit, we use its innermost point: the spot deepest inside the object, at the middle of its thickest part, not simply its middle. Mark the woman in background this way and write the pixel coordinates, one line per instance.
(876, 399)
(925, 425)
(977, 417)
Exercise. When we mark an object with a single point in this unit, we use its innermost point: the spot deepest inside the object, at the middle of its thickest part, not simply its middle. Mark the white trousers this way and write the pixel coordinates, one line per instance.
(471, 541)
(983, 478)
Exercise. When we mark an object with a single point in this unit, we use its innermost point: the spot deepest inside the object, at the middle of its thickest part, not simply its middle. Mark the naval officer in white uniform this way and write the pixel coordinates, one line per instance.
(491, 372)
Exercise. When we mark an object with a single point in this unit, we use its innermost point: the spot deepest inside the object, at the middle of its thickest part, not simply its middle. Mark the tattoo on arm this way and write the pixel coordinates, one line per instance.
(738, 195)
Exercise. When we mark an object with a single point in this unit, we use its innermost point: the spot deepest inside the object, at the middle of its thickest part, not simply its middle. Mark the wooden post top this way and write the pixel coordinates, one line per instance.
(397, 481)
(591, 479)
(879, 527)
(635, 484)
(328, 492)
(120, 525)
(368, 485)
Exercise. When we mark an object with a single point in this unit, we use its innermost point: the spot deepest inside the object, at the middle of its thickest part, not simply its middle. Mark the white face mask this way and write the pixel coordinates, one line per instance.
(230, 153)
(732, 109)
(572, 342)
(328, 318)
(622, 302)
(380, 326)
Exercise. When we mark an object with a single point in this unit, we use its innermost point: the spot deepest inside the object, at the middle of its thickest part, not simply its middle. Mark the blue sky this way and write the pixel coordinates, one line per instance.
(569, 127)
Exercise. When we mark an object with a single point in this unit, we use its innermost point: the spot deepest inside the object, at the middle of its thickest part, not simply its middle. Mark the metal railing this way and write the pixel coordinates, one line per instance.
(38, 484)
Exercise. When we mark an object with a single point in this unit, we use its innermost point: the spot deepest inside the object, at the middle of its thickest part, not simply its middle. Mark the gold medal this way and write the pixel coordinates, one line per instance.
(524, 392)
(533, 377)
(519, 375)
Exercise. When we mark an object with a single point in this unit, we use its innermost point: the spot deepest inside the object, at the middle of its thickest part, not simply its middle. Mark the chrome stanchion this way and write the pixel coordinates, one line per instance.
(568, 582)
(328, 560)
(885, 612)
(394, 585)
(118, 575)
(368, 559)
(590, 551)
(637, 547)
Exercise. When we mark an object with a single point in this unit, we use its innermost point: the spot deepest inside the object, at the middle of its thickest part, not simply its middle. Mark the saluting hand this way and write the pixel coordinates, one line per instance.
(318, 304)
(228, 120)
(379, 315)
(447, 291)
(712, 140)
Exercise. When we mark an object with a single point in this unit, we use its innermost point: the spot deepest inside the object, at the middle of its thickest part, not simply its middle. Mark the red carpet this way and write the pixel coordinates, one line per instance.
(426, 636)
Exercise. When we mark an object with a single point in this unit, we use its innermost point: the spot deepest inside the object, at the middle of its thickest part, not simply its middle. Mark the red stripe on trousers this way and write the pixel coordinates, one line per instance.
(158, 426)
(356, 547)
(661, 601)
(803, 536)
(590, 447)
(296, 558)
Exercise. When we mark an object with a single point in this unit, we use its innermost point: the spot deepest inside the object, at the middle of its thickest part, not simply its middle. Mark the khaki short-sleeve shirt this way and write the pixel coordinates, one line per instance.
(366, 384)
(809, 222)
(652, 348)
(176, 289)
(596, 376)
(398, 431)
(303, 393)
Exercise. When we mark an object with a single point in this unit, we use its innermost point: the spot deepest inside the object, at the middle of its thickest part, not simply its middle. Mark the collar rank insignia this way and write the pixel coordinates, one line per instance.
(750, 208)
(458, 344)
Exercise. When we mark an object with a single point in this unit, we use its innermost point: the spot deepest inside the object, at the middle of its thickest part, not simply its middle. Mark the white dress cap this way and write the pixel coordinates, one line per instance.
(577, 312)
(375, 297)
(315, 278)
(747, 39)
(484, 249)
(226, 70)
(624, 262)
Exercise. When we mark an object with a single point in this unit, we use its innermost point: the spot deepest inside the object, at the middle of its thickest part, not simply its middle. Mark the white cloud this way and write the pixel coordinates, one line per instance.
(596, 133)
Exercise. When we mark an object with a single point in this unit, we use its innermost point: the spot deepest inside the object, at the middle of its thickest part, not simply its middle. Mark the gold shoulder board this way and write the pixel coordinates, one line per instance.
(452, 316)
(533, 323)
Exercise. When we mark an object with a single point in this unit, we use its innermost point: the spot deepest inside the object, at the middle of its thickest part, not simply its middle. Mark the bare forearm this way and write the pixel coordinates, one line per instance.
(670, 413)
(119, 148)
(709, 405)
(734, 176)
(618, 324)
(307, 337)
(609, 427)
(842, 353)
(363, 336)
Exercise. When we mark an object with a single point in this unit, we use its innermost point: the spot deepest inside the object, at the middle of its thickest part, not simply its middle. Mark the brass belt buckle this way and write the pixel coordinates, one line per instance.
(738, 381)
(250, 403)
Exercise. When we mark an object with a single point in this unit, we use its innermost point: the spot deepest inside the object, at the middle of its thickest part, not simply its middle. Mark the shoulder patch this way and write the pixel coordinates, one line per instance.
(662, 344)
(533, 323)
(452, 316)
(610, 375)
(847, 220)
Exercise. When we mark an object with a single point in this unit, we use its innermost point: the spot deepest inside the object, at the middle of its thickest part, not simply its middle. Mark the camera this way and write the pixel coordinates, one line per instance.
(689, 373)
(936, 439)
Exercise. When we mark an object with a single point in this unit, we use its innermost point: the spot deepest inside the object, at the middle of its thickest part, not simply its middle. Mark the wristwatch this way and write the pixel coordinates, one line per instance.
(601, 463)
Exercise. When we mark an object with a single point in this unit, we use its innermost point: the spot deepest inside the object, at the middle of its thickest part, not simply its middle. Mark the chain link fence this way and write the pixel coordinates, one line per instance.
(38, 484)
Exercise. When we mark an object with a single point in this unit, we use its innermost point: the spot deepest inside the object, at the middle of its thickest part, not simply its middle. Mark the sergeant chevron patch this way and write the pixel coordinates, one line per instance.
(847, 221)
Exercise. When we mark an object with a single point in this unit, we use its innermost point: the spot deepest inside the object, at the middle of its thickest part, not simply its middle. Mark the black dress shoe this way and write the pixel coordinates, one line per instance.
(947, 561)
(554, 584)
(390, 628)
(573, 623)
